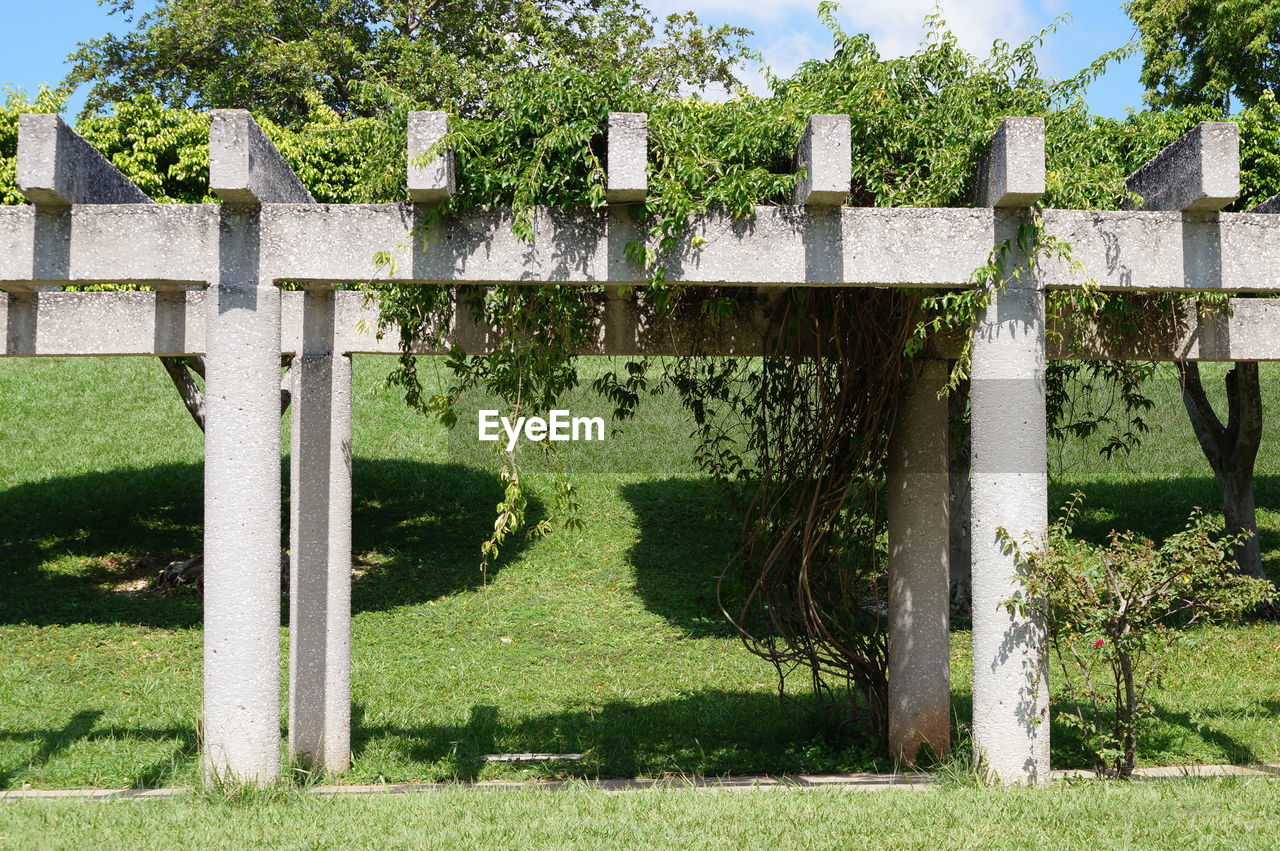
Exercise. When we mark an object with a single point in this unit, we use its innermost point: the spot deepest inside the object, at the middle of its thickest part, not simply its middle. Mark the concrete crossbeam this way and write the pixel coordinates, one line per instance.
(824, 162)
(779, 246)
(58, 168)
(95, 324)
(919, 589)
(1198, 173)
(433, 180)
(1011, 173)
(627, 168)
(245, 167)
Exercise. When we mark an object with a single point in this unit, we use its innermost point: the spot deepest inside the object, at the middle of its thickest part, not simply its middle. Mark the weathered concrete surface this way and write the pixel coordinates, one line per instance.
(1270, 206)
(1011, 173)
(778, 246)
(1126, 250)
(1010, 492)
(1200, 172)
(244, 167)
(68, 324)
(158, 244)
(626, 171)
(320, 543)
(824, 162)
(242, 511)
(434, 180)
(107, 323)
(57, 167)
(919, 598)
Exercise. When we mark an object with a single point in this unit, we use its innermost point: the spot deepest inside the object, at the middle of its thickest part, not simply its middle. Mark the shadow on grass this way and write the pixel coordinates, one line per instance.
(682, 549)
(70, 546)
(82, 728)
(705, 734)
(1161, 737)
(1157, 508)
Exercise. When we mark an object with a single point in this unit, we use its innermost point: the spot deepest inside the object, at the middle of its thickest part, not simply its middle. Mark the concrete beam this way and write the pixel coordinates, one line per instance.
(779, 246)
(1011, 173)
(245, 167)
(824, 160)
(1198, 173)
(919, 587)
(96, 324)
(58, 168)
(627, 165)
(434, 180)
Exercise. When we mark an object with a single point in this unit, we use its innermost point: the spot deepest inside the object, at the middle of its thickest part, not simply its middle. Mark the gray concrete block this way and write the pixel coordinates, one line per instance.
(1011, 173)
(434, 180)
(245, 167)
(824, 155)
(627, 168)
(57, 167)
(1199, 172)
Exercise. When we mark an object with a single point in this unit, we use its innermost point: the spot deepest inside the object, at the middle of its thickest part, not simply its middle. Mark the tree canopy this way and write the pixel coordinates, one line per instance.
(1208, 51)
(286, 58)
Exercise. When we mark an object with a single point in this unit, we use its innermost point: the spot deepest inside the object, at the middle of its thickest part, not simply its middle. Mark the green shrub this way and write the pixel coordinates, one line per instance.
(1114, 612)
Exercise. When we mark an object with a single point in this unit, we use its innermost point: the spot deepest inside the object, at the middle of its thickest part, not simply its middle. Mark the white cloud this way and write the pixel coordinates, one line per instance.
(896, 26)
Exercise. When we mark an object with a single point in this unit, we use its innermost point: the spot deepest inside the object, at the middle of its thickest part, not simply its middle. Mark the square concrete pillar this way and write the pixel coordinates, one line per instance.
(1010, 490)
(320, 544)
(919, 586)
(242, 511)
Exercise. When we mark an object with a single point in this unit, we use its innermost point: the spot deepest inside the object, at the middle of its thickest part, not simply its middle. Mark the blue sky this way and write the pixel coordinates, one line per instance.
(787, 33)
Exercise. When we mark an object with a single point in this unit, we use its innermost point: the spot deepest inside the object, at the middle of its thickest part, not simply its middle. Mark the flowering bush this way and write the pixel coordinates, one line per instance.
(1119, 609)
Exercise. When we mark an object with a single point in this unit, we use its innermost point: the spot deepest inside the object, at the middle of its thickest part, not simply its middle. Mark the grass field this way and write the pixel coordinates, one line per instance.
(605, 642)
(1168, 814)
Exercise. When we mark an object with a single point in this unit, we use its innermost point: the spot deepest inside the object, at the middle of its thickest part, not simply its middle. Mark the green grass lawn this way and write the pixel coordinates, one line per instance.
(605, 642)
(1173, 814)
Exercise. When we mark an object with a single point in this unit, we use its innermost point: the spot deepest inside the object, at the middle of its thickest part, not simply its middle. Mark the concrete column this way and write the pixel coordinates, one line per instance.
(242, 511)
(919, 600)
(320, 544)
(1010, 491)
(242, 460)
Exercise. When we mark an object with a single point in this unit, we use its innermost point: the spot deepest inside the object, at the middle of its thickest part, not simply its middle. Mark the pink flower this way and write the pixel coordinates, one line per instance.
(1099, 643)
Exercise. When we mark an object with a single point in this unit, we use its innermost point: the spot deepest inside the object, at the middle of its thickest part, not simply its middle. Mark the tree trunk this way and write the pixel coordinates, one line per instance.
(182, 372)
(960, 556)
(1231, 450)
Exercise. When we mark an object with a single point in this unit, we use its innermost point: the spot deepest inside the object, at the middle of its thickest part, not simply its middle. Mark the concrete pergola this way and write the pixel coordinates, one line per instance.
(213, 273)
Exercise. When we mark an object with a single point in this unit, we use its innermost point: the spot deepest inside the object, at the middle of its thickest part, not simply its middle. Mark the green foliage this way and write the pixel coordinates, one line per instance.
(288, 58)
(1208, 51)
(1119, 609)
